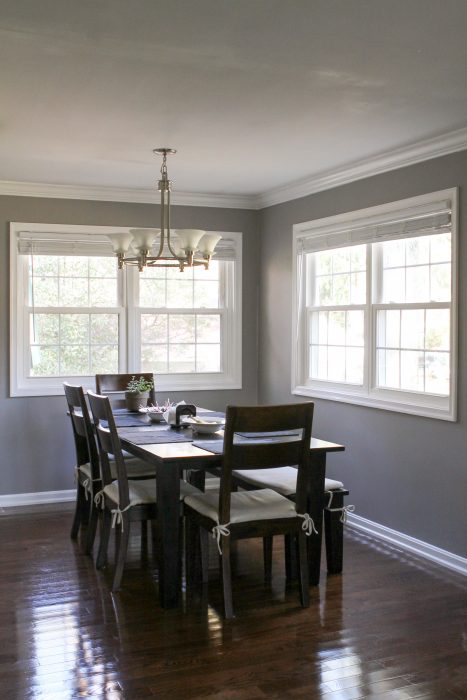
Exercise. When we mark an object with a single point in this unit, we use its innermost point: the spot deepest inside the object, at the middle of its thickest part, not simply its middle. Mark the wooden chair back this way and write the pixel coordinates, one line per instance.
(85, 443)
(109, 444)
(283, 451)
(115, 384)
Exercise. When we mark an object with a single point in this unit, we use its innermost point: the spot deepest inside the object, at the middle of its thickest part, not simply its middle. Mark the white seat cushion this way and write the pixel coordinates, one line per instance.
(144, 491)
(85, 470)
(281, 479)
(244, 505)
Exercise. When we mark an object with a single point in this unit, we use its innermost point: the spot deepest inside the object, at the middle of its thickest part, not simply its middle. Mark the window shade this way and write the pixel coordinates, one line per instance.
(44, 243)
(420, 221)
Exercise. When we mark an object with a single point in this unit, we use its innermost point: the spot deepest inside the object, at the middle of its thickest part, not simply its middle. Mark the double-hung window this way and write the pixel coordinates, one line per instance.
(374, 308)
(74, 314)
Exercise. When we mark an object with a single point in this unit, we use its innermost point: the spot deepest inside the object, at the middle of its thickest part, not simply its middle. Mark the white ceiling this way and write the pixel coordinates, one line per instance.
(254, 94)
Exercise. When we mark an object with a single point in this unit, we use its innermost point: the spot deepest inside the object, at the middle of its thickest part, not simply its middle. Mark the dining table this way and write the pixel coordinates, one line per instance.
(173, 451)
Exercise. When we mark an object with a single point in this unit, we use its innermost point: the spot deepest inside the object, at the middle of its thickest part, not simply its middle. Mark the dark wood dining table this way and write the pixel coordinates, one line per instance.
(171, 459)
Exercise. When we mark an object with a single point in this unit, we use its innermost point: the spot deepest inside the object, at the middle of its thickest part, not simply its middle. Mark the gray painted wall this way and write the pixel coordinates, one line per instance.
(404, 472)
(36, 448)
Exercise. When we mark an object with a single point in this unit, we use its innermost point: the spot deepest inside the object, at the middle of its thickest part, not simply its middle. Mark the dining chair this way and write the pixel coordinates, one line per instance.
(88, 469)
(114, 385)
(123, 500)
(284, 481)
(261, 513)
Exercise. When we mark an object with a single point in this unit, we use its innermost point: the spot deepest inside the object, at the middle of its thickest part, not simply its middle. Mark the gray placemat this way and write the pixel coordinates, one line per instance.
(215, 446)
(275, 434)
(155, 436)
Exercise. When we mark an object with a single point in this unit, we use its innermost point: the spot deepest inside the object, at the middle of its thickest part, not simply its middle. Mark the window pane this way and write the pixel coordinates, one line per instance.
(74, 360)
(104, 329)
(323, 261)
(440, 282)
(44, 329)
(152, 293)
(341, 289)
(354, 365)
(418, 284)
(341, 260)
(440, 248)
(412, 370)
(154, 358)
(323, 290)
(181, 329)
(43, 266)
(437, 373)
(437, 329)
(74, 329)
(388, 329)
(388, 368)
(417, 251)
(358, 258)
(73, 266)
(208, 358)
(73, 291)
(355, 328)
(200, 273)
(43, 291)
(358, 288)
(208, 328)
(393, 285)
(393, 254)
(104, 359)
(336, 364)
(336, 332)
(103, 292)
(413, 329)
(44, 361)
(154, 328)
(102, 267)
(182, 358)
(318, 362)
(206, 295)
(179, 294)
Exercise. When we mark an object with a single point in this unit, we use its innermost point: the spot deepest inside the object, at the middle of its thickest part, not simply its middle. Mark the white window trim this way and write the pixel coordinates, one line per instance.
(230, 376)
(369, 395)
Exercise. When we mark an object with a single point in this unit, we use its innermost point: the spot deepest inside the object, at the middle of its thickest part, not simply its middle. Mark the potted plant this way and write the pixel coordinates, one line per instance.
(137, 392)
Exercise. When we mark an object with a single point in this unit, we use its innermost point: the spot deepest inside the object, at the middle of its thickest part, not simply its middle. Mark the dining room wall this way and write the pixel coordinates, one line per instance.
(36, 448)
(404, 472)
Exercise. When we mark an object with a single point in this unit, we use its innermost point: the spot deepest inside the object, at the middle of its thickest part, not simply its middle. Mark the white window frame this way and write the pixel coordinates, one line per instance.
(336, 232)
(230, 376)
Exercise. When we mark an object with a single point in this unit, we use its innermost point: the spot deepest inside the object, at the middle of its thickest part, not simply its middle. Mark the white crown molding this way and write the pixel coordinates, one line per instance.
(122, 194)
(445, 144)
(410, 544)
(391, 160)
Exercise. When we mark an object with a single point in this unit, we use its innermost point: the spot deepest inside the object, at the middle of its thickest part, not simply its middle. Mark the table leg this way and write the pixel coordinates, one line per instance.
(168, 504)
(315, 509)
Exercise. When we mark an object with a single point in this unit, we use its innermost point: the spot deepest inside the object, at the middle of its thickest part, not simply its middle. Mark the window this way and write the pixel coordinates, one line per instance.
(73, 314)
(375, 306)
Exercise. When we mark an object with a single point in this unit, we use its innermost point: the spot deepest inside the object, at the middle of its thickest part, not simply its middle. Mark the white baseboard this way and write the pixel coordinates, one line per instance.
(34, 499)
(410, 544)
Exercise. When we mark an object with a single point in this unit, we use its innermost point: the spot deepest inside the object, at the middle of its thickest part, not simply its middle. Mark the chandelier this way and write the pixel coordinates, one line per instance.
(150, 247)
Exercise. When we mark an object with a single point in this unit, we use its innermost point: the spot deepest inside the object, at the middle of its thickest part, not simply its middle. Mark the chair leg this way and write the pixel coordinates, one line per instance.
(124, 536)
(227, 578)
(91, 531)
(290, 558)
(204, 544)
(81, 504)
(334, 536)
(303, 570)
(267, 557)
(106, 526)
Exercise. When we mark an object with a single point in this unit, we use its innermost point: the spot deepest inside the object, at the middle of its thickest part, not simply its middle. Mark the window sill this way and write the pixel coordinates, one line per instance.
(427, 411)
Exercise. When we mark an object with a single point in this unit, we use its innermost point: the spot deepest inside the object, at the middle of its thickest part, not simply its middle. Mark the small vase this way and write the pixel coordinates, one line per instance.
(135, 399)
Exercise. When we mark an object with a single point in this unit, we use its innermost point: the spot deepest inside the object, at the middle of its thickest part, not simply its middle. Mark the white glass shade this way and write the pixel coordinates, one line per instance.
(208, 243)
(120, 241)
(143, 238)
(189, 238)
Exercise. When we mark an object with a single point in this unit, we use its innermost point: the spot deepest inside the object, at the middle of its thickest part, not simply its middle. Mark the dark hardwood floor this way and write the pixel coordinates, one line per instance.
(391, 627)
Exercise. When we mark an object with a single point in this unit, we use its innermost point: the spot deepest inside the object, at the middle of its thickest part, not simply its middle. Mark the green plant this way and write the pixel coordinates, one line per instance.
(139, 385)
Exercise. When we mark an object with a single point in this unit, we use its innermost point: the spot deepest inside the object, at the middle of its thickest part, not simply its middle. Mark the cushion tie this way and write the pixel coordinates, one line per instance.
(308, 525)
(99, 499)
(86, 486)
(218, 531)
(117, 515)
(343, 511)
